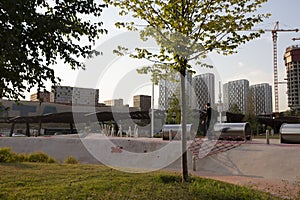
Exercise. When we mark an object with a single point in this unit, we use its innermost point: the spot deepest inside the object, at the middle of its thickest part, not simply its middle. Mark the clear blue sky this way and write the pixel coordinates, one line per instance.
(254, 60)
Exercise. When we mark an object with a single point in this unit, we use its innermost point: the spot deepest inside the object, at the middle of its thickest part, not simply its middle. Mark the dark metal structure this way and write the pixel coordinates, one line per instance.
(79, 117)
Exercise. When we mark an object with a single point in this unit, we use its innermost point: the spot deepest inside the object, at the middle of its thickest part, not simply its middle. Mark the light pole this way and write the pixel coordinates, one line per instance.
(152, 111)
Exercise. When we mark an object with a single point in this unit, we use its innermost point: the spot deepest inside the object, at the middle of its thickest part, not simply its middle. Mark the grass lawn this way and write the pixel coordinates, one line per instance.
(78, 181)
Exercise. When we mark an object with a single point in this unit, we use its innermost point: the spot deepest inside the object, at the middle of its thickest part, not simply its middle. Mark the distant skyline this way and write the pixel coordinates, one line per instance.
(254, 60)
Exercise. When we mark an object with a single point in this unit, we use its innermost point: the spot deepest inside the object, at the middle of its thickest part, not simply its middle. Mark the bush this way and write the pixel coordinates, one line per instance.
(51, 160)
(6, 155)
(40, 157)
(22, 157)
(70, 160)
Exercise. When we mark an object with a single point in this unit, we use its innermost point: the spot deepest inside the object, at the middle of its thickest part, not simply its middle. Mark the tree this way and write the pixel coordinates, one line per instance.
(235, 109)
(34, 34)
(187, 30)
(250, 115)
(174, 111)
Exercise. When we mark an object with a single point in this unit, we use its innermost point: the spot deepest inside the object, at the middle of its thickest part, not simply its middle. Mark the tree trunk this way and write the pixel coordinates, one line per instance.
(183, 128)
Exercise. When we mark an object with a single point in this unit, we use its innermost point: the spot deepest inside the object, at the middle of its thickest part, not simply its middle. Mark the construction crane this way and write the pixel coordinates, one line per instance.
(274, 36)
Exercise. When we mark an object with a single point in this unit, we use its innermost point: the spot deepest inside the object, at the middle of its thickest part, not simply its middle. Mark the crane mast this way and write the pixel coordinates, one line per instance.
(275, 37)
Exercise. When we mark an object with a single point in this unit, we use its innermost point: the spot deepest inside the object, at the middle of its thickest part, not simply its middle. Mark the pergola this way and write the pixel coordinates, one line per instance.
(78, 117)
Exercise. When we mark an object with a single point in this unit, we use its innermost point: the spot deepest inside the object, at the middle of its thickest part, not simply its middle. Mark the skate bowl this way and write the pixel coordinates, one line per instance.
(250, 159)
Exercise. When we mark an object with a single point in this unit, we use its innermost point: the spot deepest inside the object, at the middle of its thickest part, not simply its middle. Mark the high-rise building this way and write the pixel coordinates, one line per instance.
(74, 95)
(114, 102)
(203, 90)
(167, 89)
(143, 102)
(261, 98)
(235, 93)
(170, 87)
(292, 63)
(41, 96)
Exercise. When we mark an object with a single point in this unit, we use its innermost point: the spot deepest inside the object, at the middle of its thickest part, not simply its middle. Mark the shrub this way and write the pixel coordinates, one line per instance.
(22, 157)
(6, 155)
(40, 157)
(70, 160)
(51, 160)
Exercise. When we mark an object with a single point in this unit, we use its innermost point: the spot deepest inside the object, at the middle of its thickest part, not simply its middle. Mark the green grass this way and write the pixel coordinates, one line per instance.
(78, 181)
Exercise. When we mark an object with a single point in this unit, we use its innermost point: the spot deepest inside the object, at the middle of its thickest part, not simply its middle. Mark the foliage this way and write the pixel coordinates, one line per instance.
(186, 30)
(174, 112)
(235, 109)
(21, 157)
(6, 155)
(289, 113)
(34, 34)
(58, 181)
(250, 115)
(70, 160)
(40, 157)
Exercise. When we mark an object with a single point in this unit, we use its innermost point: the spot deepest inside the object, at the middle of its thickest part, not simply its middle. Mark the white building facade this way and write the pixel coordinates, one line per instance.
(170, 87)
(203, 90)
(74, 95)
(262, 98)
(236, 93)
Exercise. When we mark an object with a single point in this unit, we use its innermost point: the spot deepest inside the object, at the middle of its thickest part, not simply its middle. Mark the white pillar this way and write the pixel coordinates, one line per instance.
(129, 131)
(120, 131)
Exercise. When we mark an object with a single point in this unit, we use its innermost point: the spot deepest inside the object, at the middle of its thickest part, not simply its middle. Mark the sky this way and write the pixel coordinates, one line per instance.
(254, 60)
